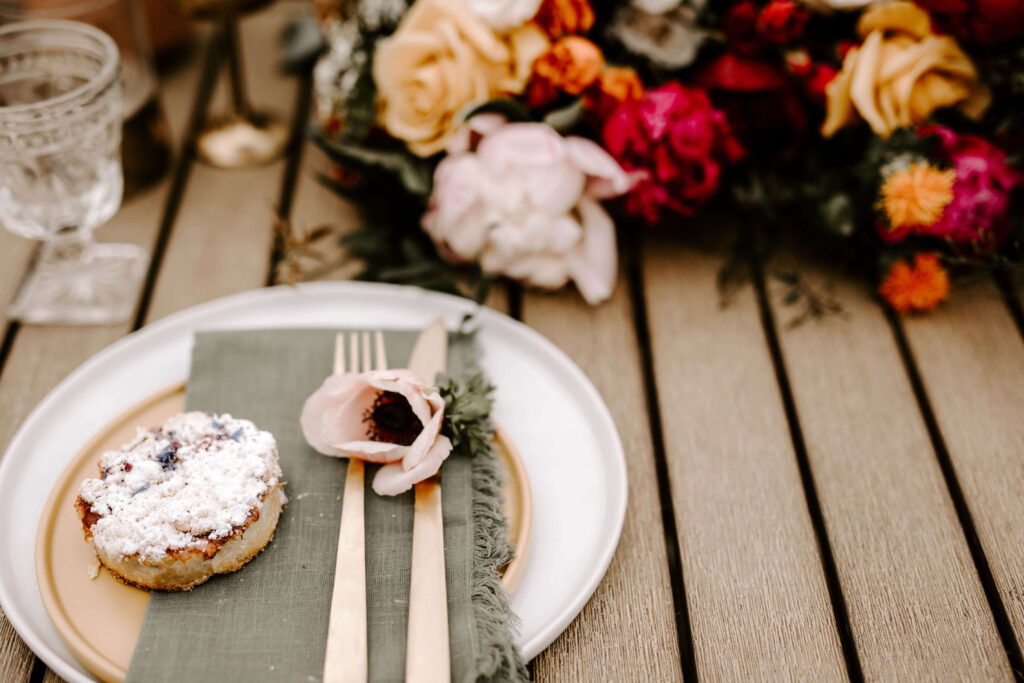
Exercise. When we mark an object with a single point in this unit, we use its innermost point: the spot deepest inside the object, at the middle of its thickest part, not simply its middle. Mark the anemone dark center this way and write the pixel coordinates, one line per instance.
(391, 419)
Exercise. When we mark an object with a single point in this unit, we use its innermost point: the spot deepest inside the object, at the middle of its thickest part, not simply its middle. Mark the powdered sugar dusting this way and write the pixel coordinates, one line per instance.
(193, 479)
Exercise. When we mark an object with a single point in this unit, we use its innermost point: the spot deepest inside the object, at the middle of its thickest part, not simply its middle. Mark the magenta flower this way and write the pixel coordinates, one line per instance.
(976, 220)
(678, 143)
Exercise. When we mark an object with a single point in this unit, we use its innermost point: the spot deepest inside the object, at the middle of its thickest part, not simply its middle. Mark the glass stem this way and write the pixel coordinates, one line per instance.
(67, 245)
(234, 58)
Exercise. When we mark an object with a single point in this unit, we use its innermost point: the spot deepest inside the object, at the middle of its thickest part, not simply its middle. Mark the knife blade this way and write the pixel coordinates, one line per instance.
(427, 655)
(430, 352)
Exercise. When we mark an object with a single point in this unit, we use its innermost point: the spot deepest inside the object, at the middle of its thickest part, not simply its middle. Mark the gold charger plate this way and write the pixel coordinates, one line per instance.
(99, 618)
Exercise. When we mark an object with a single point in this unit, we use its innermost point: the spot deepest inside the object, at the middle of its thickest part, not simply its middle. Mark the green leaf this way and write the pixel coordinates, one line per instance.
(512, 110)
(416, 175)
(467, 413)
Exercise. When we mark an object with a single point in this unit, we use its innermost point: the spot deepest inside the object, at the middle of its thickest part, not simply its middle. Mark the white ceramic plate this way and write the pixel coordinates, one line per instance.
(554, 415)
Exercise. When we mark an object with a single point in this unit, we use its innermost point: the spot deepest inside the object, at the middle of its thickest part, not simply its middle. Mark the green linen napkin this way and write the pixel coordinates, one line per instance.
(268, 621)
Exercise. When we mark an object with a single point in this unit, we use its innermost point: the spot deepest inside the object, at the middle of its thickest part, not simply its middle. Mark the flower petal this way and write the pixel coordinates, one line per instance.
(374, 451)
(393, 479)
(426, 439)
(335, 390)
(594, 264)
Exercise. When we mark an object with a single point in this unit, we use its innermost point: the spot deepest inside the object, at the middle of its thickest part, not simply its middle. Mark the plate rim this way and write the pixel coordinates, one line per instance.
(487, 317)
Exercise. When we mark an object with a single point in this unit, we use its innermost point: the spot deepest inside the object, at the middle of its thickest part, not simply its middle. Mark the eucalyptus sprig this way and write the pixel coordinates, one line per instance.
(467, 412)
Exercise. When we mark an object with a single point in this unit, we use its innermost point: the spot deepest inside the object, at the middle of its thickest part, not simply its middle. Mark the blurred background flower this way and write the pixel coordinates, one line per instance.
(441, 60)
(981, 21)
(680, 144)
(916, 288)
(523, 201)
(502, 15)
(663, 31)
(901, 73)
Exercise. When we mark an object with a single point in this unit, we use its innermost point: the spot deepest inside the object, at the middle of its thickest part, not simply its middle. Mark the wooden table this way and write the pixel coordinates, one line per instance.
(842, 499)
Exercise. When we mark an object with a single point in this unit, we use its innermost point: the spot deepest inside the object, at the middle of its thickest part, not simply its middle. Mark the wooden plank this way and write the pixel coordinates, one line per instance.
(41, 356)
(16, 659)
(758, 600)
(916, 606)
(628, 626)
(15, 255)
(970, 356)
(223, 234)
(315, 206)
(51, 677)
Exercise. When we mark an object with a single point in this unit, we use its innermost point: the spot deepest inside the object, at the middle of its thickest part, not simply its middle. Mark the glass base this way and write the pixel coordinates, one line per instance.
(237, 142)
(88, 284)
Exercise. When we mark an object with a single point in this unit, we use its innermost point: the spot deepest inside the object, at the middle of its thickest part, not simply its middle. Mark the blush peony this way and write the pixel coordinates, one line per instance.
(523, 201)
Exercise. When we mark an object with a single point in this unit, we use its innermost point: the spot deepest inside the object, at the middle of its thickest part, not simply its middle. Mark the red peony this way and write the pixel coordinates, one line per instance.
(981, 21)
(782, 21)
(677, 143)
(740, 27)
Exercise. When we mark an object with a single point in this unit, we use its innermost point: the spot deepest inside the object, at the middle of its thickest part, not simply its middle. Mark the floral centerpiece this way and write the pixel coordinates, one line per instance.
(518, 138)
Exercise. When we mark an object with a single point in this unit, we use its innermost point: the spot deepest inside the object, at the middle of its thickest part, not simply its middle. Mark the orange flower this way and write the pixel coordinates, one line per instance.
(563, 17)
(572, 64)
(615, 85)
(916, 196)
(920, 288)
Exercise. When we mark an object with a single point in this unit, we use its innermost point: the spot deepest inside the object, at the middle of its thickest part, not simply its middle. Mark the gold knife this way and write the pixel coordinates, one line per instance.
(427, 655)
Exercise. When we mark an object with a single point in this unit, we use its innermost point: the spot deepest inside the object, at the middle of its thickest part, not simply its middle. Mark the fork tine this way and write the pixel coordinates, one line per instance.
(353, 352)
(382, 359)
(339, 354)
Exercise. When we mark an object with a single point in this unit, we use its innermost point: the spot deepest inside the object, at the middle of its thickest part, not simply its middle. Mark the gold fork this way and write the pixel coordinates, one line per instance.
(345, 660)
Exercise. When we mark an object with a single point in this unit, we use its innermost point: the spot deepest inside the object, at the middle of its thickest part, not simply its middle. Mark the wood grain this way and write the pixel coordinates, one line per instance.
(758, 601)
(15, 254)
(629, 624)
(222, 237)
(42, 356)
(916, 606)
(971, 359)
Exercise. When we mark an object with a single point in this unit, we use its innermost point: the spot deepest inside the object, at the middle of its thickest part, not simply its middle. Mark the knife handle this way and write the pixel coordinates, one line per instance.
(427, 657)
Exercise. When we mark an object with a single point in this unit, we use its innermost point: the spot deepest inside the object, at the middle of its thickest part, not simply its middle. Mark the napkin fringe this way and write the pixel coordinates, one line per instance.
(499, 658)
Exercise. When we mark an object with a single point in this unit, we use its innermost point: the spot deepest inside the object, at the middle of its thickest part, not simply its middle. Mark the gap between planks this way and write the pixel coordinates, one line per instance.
(966, 360)
(35, 367)
(914, 603)
(628, 628)
(758, 601)
(222, 236)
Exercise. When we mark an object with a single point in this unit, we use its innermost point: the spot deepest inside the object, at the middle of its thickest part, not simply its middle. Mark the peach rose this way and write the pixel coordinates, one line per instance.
(383, 416)
(441, 60)
(900, 74)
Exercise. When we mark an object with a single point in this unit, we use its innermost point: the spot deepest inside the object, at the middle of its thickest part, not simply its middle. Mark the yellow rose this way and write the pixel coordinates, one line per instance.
(901, 73)
(441, 60)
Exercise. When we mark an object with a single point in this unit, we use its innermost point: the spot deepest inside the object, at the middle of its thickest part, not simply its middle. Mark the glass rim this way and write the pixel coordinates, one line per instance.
(107, 74)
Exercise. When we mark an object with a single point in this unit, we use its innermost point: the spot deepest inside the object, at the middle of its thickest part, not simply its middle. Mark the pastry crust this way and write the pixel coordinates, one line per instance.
(183, 570)
(199, 495)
